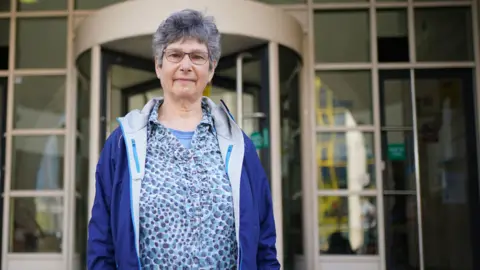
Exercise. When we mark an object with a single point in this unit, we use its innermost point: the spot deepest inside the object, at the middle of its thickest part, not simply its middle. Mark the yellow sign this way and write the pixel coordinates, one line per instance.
(208, 90)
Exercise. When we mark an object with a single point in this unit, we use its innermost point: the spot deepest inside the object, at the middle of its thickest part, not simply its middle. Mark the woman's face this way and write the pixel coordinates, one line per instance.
(185, 72)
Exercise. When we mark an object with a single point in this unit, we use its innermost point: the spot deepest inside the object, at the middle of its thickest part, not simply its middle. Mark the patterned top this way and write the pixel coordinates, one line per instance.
(186, 205)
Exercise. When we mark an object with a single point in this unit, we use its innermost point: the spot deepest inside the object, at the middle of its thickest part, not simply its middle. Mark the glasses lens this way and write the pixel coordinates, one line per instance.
(198, 58)
(174, 56)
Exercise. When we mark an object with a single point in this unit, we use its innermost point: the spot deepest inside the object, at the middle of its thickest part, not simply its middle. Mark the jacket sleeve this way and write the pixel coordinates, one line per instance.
(100, 249)
(267, 251)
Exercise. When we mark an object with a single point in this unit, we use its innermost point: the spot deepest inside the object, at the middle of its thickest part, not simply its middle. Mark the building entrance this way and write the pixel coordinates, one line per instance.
(257, 78)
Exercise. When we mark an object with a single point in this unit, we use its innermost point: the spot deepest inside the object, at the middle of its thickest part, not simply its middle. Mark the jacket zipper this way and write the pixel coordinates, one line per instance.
(227, 161)
(135, 155)
(137, 167)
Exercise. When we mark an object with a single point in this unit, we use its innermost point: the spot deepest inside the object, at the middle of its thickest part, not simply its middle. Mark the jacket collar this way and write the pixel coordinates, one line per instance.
(224, 123)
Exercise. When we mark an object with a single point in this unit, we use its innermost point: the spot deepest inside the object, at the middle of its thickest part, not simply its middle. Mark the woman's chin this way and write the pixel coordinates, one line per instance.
(187, 93)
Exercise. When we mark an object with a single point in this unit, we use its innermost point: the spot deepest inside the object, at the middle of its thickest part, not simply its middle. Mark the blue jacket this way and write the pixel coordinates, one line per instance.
(113, 229)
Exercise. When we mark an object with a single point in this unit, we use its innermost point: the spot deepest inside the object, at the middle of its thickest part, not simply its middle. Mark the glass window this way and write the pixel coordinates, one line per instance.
(343, 98)
(45, 50)
(36, 224)
(81, 229)
(94, 4)
(345, 161)
(4, 6)
(37, 162)
(399, 160)
(83, 94)
(347, 225)
(3, 121)
(82, 156)
(392, 35)
(4, 43)
(123, 77)
(291, 158)
(395, 98)
(83, 142)
(443, 34)
(41, 5)
(401, 231)
(39, 102)
(336, 31)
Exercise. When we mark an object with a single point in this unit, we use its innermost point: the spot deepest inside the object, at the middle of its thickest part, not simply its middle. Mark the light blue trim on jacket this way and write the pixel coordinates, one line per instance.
(135, 225)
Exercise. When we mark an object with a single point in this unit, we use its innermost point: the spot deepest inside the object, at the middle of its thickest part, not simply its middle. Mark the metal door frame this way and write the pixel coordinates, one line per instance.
(3, 130)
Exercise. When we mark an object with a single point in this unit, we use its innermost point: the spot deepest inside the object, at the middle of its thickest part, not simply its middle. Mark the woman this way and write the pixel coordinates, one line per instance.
(179, 185)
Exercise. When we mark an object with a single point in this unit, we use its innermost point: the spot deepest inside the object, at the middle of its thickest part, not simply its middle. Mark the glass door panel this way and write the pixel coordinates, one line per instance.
(399, 178)
(293, 216)
(438, 171)
(120, 73)
(445, 121)
(121, 78)
(251, 98)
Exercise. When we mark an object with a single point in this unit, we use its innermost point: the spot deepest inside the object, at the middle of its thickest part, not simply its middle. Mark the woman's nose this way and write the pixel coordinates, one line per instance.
(186, 63)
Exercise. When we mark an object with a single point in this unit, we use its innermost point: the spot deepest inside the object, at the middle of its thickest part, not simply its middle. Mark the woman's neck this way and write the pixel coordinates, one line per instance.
(180, 115)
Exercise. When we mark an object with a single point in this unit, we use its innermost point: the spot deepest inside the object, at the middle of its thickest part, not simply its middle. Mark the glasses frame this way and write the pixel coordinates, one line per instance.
(165, 52)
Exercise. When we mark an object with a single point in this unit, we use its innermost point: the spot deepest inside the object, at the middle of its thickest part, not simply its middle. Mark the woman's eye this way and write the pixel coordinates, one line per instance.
(197, 57)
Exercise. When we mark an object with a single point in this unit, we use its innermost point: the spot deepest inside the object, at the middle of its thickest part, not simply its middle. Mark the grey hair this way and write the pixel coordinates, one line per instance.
(187, 23)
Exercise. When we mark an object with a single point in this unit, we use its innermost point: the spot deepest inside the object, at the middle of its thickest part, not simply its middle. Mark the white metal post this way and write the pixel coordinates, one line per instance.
(275, 153)
(377, 137)
(308, 186)
(476, 51)
(8, 137)
(239, 89)
(94, 146)
(417, 169)
(70, 145)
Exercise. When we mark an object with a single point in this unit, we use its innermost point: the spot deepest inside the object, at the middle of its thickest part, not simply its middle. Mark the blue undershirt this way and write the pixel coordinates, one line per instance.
(185, 137)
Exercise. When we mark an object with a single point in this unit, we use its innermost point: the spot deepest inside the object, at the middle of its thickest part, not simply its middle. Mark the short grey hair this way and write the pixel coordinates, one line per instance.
(187, 23)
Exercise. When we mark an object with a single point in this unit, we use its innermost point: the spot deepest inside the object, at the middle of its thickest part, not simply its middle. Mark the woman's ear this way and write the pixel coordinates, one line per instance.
(158, 68)
(212, 71)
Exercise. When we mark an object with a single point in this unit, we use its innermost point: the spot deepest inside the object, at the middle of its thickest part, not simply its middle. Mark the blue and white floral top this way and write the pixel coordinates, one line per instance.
(186, 207)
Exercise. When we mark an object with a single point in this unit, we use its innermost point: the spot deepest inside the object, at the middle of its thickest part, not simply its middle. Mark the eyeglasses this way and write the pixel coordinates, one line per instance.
(197, 58)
